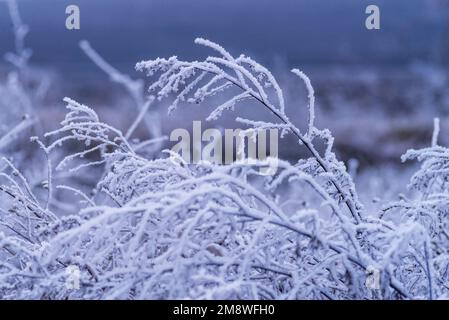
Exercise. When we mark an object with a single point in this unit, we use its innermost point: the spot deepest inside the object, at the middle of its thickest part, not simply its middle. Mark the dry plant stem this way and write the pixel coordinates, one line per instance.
(307, 143)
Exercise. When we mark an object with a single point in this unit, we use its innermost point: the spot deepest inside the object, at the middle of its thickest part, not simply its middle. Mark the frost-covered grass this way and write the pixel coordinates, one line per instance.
(147, 227)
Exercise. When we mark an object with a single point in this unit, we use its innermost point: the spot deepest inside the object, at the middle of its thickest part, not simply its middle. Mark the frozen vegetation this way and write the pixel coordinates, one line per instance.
(137, 222)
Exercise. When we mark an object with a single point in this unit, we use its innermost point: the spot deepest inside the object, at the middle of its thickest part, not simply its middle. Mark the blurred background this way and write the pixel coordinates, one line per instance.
(377, 90)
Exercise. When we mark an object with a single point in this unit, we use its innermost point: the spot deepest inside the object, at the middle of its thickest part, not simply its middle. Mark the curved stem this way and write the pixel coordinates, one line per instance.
(352, 209)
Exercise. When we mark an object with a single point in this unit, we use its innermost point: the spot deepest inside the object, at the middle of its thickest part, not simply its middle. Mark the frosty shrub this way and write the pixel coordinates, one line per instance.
(428, 214)
(22, 89)
(155, 228)
(136, 92)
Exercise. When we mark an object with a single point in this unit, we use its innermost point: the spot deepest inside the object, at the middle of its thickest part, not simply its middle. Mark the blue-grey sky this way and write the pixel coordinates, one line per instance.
(291, 31)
